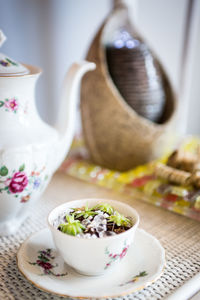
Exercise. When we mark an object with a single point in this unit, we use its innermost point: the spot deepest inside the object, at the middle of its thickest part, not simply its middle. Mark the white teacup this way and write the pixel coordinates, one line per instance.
(92, 256)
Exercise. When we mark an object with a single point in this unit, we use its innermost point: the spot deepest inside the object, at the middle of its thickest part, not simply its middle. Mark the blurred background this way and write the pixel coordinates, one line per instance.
(53, 34)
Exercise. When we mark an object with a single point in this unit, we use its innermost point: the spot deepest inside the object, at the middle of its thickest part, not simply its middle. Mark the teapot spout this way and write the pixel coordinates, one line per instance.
(66, 120)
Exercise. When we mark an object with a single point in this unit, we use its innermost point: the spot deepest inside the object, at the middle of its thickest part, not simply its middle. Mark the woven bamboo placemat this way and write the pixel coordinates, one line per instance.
(179, 235)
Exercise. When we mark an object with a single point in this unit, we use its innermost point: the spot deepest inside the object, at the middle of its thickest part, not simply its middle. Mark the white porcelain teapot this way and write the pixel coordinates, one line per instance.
(30, 149)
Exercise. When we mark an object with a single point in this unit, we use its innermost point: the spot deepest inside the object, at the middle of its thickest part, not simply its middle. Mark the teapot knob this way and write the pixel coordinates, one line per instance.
(121, 3)
(2, 38)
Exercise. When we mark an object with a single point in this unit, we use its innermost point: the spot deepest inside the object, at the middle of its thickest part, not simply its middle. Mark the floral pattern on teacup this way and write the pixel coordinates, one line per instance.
(20, 183)
(116, 256)
(45, 261)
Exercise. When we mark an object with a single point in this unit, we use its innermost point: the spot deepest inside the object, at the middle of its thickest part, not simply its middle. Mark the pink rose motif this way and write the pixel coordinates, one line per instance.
(123, 252)
(11, 104)
(45, 265)
(18, 182)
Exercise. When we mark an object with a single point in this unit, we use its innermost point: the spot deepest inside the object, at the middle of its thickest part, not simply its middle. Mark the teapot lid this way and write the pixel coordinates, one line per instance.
(8, 66)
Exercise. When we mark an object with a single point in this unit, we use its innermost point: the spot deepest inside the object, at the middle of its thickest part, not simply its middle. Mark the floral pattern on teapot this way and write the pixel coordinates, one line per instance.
(10, 105)
(19, 183)
(7, 62)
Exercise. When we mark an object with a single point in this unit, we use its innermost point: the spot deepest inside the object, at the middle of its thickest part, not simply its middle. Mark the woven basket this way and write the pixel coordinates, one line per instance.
(115, 135)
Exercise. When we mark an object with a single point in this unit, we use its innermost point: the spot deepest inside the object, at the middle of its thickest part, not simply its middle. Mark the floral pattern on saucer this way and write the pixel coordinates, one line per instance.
(45, 261)
(143, 264)
(135, 278)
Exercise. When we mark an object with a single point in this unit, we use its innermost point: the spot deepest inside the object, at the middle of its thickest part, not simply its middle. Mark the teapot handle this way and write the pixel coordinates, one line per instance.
(65, 124)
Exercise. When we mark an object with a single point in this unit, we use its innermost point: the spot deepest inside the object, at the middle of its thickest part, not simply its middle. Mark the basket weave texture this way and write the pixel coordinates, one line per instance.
(179, 236)
(116, 136)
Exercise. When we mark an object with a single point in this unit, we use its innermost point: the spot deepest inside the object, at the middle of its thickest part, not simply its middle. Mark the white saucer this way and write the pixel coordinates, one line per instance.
(145, 255)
